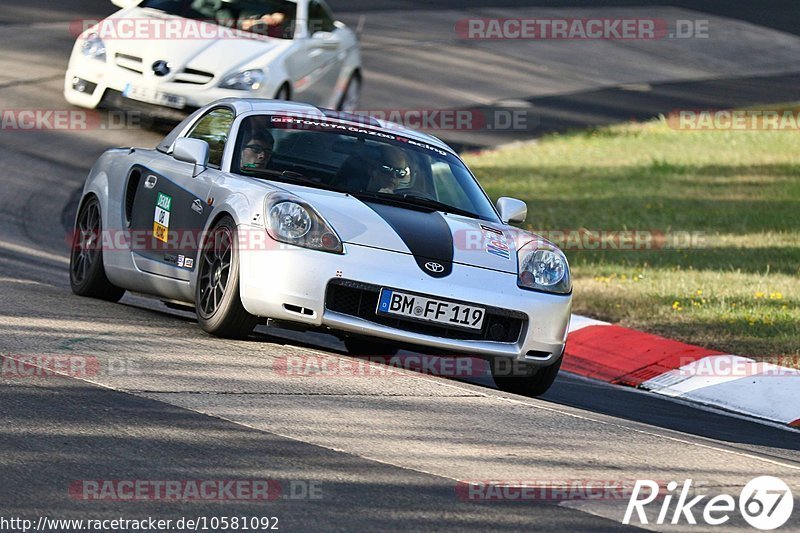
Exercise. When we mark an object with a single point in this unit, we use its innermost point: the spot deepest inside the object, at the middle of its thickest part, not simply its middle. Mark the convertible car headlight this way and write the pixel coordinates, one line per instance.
(248, 80)
(543, 267)
(293, 221)
(93, 47)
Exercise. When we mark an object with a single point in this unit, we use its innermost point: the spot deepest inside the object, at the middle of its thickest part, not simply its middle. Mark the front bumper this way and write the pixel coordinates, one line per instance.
(114, 100)
(105, 80)
(290, 284)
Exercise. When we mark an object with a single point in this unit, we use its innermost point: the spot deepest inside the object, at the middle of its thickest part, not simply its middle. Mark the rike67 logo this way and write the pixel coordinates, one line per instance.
(765, 503)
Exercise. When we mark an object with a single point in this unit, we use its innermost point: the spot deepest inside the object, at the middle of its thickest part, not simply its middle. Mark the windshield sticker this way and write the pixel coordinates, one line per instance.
(422, 145)
(161, 217)
(306, 123)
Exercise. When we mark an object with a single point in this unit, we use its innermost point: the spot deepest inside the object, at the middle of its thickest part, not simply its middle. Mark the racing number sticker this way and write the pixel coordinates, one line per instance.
(161, 217)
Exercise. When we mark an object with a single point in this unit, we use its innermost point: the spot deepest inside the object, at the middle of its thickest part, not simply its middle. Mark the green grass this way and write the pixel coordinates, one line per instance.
(735, 287)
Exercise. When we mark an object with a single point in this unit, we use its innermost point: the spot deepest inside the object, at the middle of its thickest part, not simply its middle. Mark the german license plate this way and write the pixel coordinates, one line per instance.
(396, 303)
(153, 96)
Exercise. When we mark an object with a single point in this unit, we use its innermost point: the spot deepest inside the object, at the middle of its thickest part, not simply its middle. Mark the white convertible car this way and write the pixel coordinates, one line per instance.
(253, 209)
(169, 57)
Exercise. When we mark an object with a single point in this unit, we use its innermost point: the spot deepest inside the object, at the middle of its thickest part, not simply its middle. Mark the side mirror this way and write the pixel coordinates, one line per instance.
(124, 4)
(511, 209)
(192, 151)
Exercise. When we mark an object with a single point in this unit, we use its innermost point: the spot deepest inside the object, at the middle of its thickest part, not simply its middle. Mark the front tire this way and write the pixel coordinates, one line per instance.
(352, 95)
(219, 307)
(530, 381)
(87, 275)
(283, 93)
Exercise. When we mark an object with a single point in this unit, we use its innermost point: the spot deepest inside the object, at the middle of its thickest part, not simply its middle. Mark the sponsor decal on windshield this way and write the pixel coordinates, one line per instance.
(422, 145)
(317, 124)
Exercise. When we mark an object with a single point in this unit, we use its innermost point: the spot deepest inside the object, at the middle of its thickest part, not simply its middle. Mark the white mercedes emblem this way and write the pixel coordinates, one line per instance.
(160, 68)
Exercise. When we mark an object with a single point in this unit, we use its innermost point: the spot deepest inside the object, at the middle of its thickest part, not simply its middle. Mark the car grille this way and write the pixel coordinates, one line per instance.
(189, 76)
(128, 62)
(360, 300)
(194, 77)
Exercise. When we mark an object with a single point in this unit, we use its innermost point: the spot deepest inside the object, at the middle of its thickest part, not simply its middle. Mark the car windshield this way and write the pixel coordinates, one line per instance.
(371, 164)
(273, 18)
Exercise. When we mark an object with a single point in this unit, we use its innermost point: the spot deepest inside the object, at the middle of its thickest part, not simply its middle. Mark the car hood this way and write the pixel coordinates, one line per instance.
(201, 46)
(428, 236)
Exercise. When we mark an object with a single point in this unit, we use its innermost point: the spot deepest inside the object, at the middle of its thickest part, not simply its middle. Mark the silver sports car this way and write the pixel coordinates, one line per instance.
(253, 209)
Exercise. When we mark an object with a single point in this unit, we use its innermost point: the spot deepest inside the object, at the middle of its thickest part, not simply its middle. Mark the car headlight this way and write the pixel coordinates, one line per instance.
(93, 47)
(248, 80)
(543, 267)
(293, 221)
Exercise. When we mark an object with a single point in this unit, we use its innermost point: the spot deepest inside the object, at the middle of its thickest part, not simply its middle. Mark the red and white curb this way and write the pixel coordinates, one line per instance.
(623, 356)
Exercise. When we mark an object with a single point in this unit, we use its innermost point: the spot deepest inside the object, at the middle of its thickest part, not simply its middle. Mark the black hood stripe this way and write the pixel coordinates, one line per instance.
(426, 234)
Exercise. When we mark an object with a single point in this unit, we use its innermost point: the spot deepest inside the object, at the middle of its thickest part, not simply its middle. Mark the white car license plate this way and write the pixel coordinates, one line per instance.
(152, 96)
(397, 303)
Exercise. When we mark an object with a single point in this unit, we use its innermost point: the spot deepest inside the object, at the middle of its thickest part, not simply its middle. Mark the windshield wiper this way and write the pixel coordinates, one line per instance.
(416, 201)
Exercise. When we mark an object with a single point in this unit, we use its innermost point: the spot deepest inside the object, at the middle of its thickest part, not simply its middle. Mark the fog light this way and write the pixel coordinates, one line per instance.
(497, 332)
(83, 86)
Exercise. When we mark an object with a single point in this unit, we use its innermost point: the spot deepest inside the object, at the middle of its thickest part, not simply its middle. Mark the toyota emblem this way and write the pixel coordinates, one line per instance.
(434, 267)
(160, 68)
